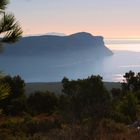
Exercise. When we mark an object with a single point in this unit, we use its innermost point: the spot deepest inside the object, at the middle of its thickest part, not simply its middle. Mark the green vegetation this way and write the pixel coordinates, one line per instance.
(13, 104)
(85, 110)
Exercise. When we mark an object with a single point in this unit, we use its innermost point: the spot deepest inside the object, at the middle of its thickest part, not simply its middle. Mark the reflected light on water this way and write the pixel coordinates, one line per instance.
(118, 78)
(113, 77)
(130, 66)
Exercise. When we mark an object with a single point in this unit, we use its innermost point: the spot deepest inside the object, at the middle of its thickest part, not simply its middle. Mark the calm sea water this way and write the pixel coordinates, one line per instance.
(38, 69)
(126, 57)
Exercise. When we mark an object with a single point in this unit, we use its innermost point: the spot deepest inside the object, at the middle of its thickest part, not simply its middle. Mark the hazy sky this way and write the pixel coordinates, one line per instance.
(110, 18)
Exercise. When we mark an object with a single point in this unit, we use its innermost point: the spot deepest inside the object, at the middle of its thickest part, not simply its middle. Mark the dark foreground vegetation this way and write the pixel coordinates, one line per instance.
(85, 110)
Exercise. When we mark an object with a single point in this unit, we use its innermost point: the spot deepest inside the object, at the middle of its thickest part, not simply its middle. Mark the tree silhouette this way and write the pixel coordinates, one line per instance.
(131, 82)
(89, 97)
(10, 32)
(10, 29)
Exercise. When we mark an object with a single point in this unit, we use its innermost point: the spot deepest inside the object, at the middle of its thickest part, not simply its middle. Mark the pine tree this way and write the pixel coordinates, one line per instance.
(10, 32)
(10, 29)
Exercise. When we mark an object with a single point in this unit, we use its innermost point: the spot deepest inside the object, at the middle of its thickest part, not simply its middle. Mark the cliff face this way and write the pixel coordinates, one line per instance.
(47, 44)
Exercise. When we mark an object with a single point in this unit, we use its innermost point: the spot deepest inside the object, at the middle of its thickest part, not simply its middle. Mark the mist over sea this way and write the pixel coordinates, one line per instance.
(38, 69)
(126, 57)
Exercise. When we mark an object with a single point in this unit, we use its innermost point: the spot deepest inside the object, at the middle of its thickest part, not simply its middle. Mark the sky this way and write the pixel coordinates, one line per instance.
(109, 18)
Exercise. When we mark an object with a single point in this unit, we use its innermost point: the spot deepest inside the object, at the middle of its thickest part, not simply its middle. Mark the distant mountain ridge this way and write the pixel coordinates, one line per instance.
(35, 45)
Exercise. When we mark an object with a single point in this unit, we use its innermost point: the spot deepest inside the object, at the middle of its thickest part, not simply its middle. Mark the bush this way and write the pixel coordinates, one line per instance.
(88, 97)
(42, 103)
(15, 102)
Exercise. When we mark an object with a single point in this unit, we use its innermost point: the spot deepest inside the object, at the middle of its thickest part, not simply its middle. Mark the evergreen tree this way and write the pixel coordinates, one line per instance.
(9, 27)
(10, 32)
(131, 82)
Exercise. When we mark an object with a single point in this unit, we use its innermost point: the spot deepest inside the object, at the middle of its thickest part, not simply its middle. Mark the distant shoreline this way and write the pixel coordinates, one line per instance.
(57, 87)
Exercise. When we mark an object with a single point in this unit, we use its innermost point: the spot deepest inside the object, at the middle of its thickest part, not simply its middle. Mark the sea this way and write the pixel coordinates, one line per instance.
(126, 57)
